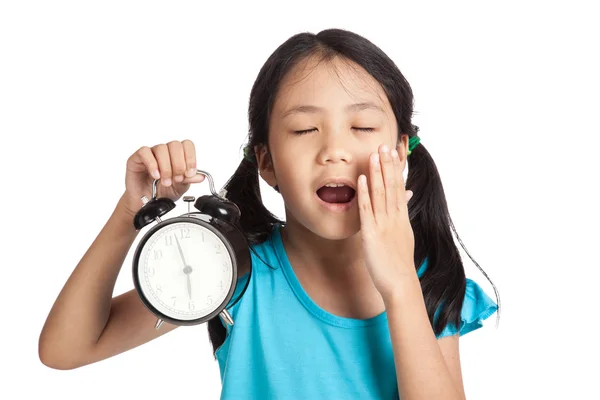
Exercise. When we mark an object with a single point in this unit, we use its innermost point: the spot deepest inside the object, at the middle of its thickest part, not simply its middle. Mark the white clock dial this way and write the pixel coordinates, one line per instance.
(185, 271)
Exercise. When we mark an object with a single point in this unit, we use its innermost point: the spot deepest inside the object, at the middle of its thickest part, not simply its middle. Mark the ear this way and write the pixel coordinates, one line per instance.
(402, 148)
(265, 164)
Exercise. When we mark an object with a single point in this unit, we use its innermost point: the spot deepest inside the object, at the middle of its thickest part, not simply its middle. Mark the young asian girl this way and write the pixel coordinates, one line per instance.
(360, 293)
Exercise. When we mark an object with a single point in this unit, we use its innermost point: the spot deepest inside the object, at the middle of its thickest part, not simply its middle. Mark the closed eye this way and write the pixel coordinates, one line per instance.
(305, 131)
(314, 129)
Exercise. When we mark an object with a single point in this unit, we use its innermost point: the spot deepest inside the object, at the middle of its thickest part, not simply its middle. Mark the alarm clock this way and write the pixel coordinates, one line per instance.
(185, 268)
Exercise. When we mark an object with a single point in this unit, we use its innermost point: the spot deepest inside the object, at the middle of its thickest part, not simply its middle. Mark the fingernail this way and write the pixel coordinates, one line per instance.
(156, 174)
(394, 153)
(190, 172)
(384, 148)
(178, 178)
(374, 158)
(167, 182)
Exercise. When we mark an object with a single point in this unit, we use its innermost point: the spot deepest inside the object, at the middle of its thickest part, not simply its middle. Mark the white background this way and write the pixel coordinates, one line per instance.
(506, 96)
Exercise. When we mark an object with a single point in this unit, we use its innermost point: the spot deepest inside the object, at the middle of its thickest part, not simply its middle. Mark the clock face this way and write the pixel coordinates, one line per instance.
(185, 270)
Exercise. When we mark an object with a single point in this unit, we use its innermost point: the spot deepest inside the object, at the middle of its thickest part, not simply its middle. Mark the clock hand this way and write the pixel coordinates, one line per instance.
(189, 285)
(180, 251)
(187, 270)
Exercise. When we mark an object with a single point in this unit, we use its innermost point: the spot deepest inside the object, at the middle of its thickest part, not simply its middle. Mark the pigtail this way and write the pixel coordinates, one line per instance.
(444, 281)
(256, 223)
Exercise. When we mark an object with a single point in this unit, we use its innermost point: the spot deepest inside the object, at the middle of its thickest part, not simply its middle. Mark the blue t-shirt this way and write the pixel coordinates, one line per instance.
(284, 346)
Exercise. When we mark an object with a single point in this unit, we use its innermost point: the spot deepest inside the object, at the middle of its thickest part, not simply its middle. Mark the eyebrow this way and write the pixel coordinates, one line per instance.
(315, 109)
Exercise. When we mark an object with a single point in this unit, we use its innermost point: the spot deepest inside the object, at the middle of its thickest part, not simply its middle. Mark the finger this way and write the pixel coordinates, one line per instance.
(400, 190)
(161, 153)
(189, 149)
(376, 186)
(145, 157)
(409, 195)
(194, 179)
(389, 178)
(365, 209)
(177, 155)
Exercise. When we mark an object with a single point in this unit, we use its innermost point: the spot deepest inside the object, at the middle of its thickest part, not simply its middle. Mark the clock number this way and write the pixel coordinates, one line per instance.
(185, 233)
(191, 305)
(169, 240)
(217, 248)
(157, 254)
(209, 300)
(221, 284)
(150, 272)
(158, 290)
(174, 298)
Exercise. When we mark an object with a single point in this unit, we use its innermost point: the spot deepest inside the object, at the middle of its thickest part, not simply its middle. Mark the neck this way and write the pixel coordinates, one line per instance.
(332, 257)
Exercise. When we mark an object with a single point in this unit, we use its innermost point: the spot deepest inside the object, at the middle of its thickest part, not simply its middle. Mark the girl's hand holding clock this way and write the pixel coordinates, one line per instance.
(174, 163)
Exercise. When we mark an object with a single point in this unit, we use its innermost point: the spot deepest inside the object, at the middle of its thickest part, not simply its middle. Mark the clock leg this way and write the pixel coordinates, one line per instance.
(159, 323)
(227, 317)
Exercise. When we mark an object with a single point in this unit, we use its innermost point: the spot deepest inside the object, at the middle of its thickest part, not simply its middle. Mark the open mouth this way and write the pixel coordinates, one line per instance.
(336, 193)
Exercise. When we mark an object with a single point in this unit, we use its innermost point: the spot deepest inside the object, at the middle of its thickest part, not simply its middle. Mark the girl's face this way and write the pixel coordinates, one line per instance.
(328, 117)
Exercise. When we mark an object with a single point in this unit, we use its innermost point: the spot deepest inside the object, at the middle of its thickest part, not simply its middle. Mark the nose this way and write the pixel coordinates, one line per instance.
(334, 150)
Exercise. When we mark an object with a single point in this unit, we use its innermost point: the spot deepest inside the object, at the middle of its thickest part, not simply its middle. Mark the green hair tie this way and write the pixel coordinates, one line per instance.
(412, 143)
(248, 155)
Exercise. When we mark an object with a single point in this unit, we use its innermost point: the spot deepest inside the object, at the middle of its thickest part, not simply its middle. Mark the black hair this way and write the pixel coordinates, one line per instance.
(444, 281)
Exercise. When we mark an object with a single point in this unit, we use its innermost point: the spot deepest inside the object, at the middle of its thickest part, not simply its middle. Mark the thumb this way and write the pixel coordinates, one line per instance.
(194, 179)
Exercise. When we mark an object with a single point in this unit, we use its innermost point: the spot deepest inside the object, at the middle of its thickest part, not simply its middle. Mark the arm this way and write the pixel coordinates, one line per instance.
(86, 324)
(426, 368)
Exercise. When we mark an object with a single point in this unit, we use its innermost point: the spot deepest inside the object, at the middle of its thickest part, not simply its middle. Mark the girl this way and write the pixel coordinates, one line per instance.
(360, 293)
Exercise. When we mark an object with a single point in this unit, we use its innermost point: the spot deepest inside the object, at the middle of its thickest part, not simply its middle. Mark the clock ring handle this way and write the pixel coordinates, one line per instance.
(198, 171)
